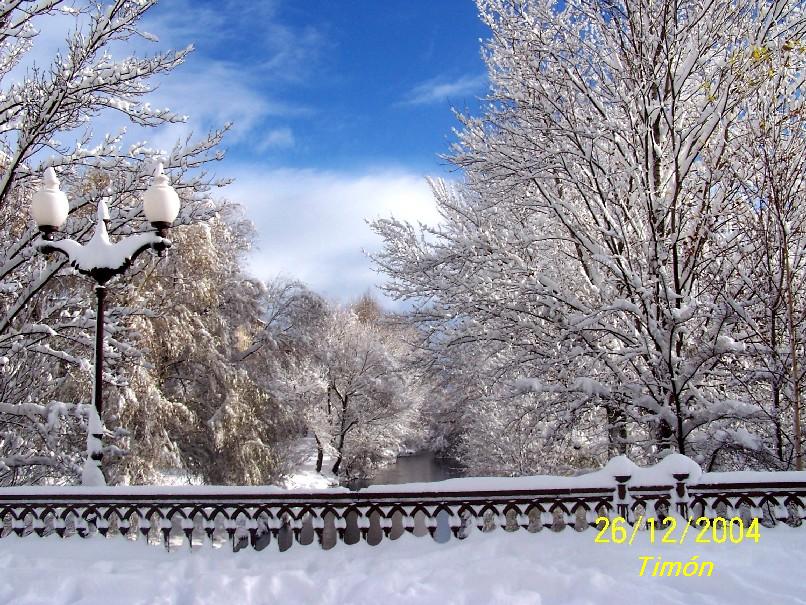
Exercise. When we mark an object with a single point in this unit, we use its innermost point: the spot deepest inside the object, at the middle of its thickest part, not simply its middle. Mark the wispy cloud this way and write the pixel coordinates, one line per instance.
(439, 89)
(279, 138)
(212, 91)
(270, 49)
(211, 88)
(195, 90)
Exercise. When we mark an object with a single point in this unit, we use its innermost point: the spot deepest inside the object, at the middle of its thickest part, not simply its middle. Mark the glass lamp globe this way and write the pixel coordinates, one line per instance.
(160, 201)
(49, 206)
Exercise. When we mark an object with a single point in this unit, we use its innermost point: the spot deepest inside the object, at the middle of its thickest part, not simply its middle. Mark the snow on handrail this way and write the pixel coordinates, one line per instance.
(260, 515)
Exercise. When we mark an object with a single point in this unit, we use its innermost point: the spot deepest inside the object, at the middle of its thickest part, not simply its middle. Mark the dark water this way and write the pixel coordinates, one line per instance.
(416, 468)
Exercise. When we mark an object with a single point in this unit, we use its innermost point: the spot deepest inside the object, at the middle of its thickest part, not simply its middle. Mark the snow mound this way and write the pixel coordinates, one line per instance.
(621, 466)
(498, 568)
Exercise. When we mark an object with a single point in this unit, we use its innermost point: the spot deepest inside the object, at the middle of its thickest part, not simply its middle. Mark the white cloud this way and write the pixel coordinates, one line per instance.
(196, 91)
(275, 51)
(438, 89)
(214, 91)
(311, 225)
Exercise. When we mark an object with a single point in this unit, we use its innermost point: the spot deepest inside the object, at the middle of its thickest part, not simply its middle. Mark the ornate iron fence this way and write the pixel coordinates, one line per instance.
(261, 516)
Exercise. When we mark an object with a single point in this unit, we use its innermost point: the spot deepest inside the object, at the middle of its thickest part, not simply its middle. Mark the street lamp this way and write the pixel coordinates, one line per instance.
(102, 260)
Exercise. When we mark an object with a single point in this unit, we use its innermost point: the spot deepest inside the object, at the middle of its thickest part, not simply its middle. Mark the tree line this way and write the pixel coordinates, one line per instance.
(619, 269)
(209, 373)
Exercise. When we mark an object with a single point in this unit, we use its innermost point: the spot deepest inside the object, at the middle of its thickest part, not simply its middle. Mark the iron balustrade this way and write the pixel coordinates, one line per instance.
(257, 517)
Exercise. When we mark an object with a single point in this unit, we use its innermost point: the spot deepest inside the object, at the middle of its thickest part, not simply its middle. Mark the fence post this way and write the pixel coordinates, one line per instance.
(680, 497)
(622, 499)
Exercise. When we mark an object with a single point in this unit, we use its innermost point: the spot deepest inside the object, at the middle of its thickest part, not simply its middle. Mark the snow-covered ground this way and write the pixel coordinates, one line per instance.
(306, 476)
(496, 568)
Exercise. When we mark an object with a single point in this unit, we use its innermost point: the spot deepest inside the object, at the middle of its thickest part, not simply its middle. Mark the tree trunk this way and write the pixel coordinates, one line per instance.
(342, 433)
(320, 454)
(665, 437)
(775, 385)
(793, 349)
(337, 465)
(339, 449)
(616, 430)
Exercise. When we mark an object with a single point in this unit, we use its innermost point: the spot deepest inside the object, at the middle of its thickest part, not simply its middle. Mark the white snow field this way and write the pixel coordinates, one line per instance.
(495, 568)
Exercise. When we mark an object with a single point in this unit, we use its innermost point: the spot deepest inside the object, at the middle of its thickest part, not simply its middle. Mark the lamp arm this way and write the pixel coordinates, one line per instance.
(103, 260)
(62, 247)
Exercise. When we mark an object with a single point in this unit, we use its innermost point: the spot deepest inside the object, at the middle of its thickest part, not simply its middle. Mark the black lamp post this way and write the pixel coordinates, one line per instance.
(102, 260)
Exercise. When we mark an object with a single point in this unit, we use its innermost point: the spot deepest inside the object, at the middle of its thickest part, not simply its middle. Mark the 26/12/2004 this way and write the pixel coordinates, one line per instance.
(670, 530)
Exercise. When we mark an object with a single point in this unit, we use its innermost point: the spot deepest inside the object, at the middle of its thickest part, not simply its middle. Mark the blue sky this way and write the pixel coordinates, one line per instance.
(340, 110)
(336, 84)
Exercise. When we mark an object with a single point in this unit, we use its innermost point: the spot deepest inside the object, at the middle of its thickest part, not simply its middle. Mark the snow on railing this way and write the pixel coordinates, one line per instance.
(258, 516)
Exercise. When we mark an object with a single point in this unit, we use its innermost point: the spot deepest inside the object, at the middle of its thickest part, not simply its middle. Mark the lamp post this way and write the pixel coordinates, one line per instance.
(102, 260)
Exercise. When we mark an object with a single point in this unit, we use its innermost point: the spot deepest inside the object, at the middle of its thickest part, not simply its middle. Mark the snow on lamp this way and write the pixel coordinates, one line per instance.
(161, 202)
(102, 259)
(49, 206)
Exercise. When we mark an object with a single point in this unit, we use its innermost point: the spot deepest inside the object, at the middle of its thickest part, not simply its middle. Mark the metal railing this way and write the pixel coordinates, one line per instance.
(244, 516)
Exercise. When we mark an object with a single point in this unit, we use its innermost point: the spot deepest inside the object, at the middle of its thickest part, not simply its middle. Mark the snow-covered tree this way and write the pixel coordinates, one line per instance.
(769, 166)
(202, 309)
(358, 395)
(46, 119)
(256, 427)
(590, 258)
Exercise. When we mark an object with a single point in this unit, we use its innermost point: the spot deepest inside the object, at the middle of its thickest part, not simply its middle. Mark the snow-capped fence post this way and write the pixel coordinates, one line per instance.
(622, 499)
(681, 499)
